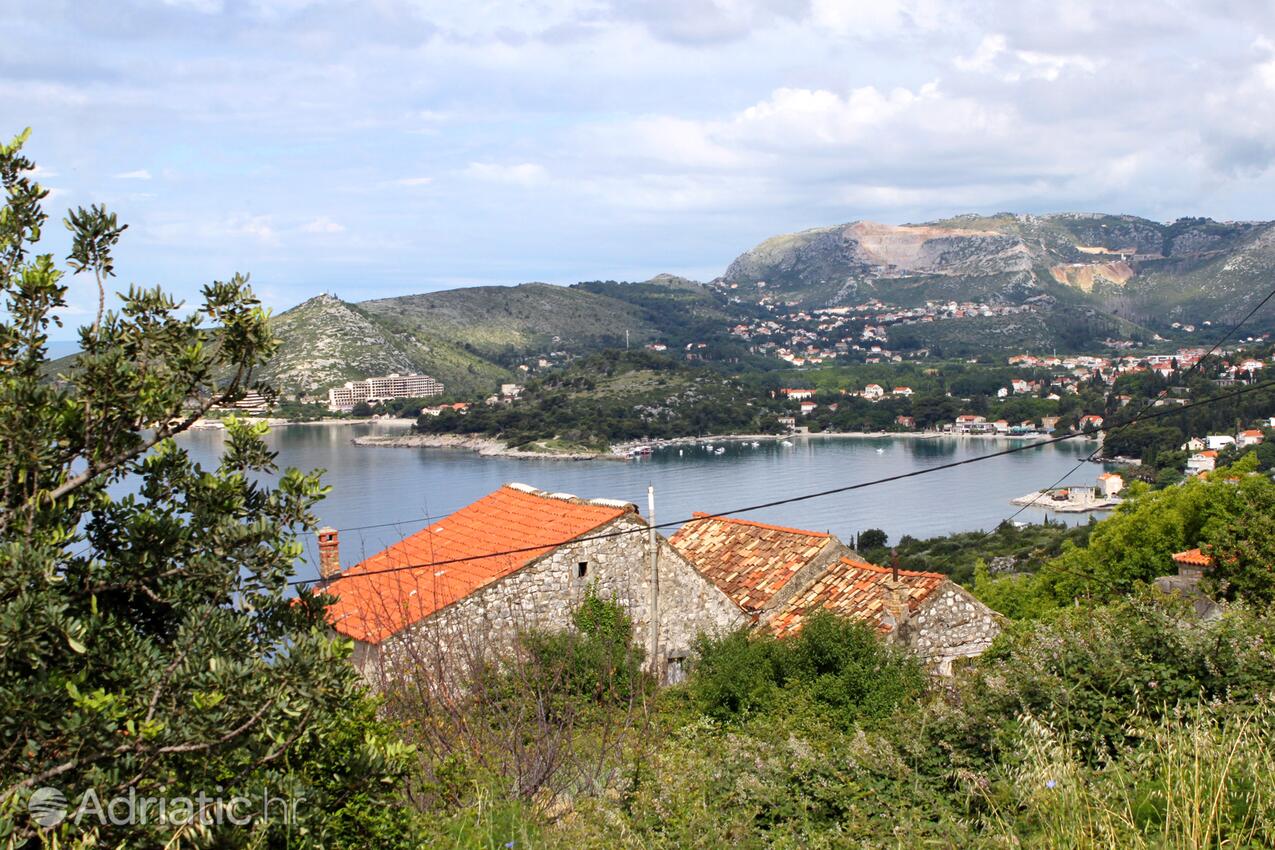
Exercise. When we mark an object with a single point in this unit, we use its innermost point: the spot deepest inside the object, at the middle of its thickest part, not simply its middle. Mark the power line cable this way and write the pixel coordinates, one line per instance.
(792, 499)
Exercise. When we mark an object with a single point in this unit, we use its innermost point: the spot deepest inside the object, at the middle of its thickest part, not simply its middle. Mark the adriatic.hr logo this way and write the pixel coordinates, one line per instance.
(47, 807)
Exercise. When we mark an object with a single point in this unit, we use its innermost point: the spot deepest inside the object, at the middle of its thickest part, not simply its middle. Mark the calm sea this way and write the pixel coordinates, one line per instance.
(399, 490)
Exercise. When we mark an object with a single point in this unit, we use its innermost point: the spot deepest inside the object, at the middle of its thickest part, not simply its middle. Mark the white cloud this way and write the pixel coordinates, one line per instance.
(993, 56)
(204, 7)
(699, 123)
(524, 174)
(139, 174)
(322, 224)
(983, 59)
(41, 173)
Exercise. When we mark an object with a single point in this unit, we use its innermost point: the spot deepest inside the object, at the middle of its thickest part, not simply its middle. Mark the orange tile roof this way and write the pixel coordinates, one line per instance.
(749, 561)
(855, 589)
(1193, 557)
(370, 607)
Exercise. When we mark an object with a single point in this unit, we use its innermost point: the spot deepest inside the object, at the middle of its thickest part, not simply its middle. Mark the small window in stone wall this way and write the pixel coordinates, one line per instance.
(675, 668)
(582, 569)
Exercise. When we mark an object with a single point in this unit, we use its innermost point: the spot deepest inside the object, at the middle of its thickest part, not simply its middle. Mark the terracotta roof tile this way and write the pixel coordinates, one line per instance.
(370, 607)
(855, 589)
(749, 561)
(1193, 557)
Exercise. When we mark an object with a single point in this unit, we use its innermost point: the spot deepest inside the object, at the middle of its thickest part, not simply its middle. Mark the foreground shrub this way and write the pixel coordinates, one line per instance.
(1086, 671)
(842, 668)
(545, 717)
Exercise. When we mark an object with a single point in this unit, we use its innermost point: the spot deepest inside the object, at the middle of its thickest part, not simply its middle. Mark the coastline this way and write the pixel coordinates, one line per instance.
(275, 422)
(491, 447)
(483, 446)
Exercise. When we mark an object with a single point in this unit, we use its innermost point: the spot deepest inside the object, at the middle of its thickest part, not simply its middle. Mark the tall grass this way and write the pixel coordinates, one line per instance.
(1202, 778)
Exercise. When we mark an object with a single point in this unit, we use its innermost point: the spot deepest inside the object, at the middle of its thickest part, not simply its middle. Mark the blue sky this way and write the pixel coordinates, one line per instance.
(389, 147)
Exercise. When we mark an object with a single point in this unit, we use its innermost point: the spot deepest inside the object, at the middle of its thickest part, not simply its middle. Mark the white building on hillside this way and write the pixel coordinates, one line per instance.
(382, 389)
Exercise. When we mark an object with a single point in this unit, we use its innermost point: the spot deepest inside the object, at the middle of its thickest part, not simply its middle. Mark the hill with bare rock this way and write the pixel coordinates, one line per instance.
(1142, 271)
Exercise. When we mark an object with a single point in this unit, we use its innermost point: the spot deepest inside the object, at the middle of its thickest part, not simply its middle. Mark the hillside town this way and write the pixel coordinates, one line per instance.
(809, 337)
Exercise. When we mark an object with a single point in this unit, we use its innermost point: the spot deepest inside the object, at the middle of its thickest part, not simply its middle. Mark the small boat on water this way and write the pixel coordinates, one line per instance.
(786, 443)
(719, 451)
(880, 451)
(755, 444)
(640, 451)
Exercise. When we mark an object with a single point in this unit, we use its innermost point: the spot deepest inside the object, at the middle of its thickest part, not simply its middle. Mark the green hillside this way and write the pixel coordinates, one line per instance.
(325, 342)
(503, 323)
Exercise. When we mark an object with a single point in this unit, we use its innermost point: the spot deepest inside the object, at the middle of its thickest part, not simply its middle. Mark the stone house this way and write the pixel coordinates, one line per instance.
(779, 576)
(1110, 483)
(518, 558)
(759, 566)
(926, 612)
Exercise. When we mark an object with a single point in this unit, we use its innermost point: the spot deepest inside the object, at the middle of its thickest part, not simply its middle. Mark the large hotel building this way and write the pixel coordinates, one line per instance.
(379, 389)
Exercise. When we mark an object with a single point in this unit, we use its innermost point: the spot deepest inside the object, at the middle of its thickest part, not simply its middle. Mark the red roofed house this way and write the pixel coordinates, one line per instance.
(446, 582)
(1251, 437)
(758, 566)
(927, 612)
(779, 576)
(797, 394)
(1090, 420)
(1201, 462)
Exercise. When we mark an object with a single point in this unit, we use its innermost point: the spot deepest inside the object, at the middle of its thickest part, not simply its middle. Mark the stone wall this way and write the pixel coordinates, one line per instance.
(950, 624)
(544, 594)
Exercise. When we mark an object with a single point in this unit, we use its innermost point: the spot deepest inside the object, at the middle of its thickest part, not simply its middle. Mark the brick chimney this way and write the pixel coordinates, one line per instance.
(329, 554)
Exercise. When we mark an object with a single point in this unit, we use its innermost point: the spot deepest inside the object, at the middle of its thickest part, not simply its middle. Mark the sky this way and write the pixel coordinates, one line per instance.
(389, 147)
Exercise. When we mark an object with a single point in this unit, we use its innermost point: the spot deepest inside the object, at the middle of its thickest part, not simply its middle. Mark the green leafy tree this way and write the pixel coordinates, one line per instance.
(873, 538)
(148, 643)
(1243, 550)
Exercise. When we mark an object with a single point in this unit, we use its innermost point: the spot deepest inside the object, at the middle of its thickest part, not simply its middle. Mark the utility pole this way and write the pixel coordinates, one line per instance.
(626, 339)
(654, 560)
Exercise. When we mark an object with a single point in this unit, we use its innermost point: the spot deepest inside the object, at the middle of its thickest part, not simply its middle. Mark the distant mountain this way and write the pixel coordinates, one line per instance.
(473, 338)
(1086, 277)
(1142, 271)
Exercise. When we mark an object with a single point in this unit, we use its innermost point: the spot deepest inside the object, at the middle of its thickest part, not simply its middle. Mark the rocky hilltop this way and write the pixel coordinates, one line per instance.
(1140, 270)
